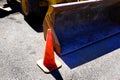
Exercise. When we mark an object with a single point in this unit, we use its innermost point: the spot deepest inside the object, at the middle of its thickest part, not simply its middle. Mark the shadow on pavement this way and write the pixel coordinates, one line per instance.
(4, 13)
(92, 52)
(56, 74)
(35, 20)
(36, 24)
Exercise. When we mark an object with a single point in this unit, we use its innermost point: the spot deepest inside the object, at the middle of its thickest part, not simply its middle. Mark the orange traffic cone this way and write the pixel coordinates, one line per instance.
(49, 63)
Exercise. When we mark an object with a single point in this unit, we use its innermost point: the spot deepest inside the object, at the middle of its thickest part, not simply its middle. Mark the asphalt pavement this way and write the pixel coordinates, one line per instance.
(22, 44)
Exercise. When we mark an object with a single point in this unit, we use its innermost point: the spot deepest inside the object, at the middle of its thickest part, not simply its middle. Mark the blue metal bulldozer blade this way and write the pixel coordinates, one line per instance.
(81, 27)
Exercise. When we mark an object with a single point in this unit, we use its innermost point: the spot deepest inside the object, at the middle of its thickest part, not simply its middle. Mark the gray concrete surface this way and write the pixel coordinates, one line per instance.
(21, 46)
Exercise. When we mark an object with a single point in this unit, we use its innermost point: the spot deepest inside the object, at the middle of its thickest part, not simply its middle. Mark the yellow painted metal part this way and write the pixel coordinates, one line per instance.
(51, 2)
(25, 7)
(55, 1)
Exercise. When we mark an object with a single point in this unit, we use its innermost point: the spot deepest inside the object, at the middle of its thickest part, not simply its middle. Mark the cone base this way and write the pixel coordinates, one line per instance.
(45, 69)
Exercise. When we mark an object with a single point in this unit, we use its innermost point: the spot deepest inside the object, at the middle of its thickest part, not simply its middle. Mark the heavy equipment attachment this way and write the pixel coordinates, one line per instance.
(78, 24)
(75, 23)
